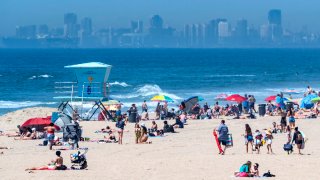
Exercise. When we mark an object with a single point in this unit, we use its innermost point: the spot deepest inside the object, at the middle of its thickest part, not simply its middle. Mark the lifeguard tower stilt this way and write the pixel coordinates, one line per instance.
(85, 95)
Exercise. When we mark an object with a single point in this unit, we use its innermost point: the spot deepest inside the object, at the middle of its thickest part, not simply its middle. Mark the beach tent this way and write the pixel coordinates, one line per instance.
(38, 123)
(306, 102)
(190, 102)
(62, 120)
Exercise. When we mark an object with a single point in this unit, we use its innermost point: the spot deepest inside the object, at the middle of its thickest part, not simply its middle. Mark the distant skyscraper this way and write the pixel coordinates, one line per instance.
(26, 32)
(137, 26)
(212, 33)
(274, 17)
(156, 22)
(223, 30)
(86, 26)
(70, 25)
(43, 30)
(241, 31)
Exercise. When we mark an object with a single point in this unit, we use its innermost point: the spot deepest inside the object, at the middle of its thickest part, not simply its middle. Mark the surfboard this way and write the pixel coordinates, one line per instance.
(217, 141)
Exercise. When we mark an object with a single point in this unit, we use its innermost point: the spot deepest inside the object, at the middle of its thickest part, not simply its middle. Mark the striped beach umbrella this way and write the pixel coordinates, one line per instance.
(161, 98)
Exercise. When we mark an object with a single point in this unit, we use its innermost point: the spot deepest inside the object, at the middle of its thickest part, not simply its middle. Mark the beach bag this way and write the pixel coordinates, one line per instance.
(268, 174)
(288, 147)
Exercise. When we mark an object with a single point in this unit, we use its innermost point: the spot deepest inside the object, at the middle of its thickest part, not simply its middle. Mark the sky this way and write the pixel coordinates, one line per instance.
(118, 13)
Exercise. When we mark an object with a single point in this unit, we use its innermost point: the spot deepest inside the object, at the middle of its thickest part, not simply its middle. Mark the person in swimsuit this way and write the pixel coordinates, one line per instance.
(283, 121)
(292, 121)
(56, 164)
(254, 172)
(137, 131)
(32, 136)
(120, 127)
(249, 138)
(50, 134)
(269, 138)
(144, 135)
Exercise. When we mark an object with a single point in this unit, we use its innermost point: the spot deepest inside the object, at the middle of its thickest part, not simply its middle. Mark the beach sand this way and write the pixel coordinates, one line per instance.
(189, 154)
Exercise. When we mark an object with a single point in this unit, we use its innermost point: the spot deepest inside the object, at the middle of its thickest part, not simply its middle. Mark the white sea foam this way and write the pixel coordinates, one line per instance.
(41, 76)
(21, 104)
(232, 75)
(146, 91)
(116, 83)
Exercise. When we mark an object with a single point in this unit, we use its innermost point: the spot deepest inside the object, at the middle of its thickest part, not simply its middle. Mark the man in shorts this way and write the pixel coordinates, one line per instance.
(223, 135)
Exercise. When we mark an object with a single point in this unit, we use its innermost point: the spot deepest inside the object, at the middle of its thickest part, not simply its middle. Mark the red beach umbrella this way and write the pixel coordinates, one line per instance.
(236, 97)
(38, 123)
(270, 98)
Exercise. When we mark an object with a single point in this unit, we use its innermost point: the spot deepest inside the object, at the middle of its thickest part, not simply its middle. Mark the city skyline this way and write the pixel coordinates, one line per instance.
(297, 14)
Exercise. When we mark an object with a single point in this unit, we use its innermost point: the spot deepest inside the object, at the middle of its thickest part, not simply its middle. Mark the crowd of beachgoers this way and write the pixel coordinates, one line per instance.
(255, 139)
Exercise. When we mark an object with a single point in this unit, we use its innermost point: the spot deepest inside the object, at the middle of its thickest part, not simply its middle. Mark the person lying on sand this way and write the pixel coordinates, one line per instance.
(32, 136)
(56, 164)
(247, 170)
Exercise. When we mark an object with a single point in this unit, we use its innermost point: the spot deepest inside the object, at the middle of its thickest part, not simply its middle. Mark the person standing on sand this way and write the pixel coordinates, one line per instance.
(249, 138)
(50, 134)
(120, 127)
(144, 108)
(269, 138)
(283, 121)
(223, 135)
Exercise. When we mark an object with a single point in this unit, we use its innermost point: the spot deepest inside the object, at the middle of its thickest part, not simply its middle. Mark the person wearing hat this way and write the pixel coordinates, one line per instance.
(269, 138)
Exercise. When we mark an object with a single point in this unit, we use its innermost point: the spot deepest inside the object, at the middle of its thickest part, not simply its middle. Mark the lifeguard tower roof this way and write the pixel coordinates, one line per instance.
(89, 65)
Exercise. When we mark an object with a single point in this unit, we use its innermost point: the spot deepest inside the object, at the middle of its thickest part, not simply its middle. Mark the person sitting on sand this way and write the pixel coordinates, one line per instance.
(254, 171)
(154, 127)
(144, 135)
(56, 164)
(179, 123)
(167, 128)
(244, 170)
(110, 136)
(32, 136)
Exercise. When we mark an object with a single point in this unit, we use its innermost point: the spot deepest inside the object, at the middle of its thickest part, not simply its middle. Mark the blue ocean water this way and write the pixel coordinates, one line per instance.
(27, 76)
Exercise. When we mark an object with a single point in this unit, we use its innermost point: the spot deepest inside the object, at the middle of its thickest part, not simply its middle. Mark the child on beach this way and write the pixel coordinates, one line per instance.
(137, 131)
(268, 139)
(258, 140)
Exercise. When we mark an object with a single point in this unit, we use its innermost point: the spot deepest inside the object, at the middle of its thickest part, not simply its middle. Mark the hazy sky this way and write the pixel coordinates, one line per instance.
(176, 13)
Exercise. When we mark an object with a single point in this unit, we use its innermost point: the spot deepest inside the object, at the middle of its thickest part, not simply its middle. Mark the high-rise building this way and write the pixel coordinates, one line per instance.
(26, 32)
(223, 30)
(156, 22)
(70, 25)
(241, 30)
(137, 26)
(86, 26)
(274, 17)
(211, 33)
(43, 30)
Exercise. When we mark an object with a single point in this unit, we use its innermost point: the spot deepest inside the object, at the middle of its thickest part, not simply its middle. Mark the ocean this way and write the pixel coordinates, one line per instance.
(27, 76)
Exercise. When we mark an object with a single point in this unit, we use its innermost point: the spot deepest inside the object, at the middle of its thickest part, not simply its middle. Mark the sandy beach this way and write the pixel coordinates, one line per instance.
(189, 154)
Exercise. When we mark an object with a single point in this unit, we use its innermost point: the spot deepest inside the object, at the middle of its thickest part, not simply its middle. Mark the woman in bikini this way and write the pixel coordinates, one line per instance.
(249, 138)
(120, 127)
(50, 134)
(56, 164)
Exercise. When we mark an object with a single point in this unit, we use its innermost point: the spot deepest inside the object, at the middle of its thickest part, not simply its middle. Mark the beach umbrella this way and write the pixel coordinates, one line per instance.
(190, 102)
(315, 100)
(236, 97)
(38, 123)
(111, 102)
(270, 98)
(162, 98)
(221, 97)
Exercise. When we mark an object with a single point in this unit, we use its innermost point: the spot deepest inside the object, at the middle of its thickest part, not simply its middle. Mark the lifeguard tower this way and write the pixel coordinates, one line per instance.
(86, 93)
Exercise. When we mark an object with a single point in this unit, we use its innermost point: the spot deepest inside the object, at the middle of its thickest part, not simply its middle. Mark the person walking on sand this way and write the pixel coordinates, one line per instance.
(248, 138)
(298, 139)
(50, 134)
(120, 127)
(223, 135)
